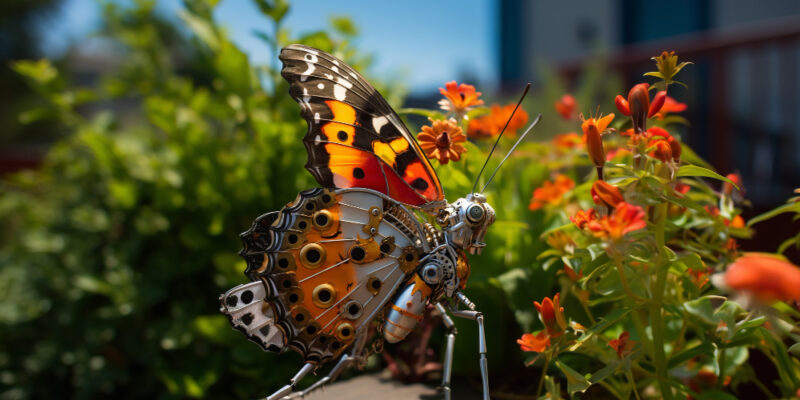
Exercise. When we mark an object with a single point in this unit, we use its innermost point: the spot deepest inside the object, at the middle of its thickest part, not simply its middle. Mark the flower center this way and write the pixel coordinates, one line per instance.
(443, 140)
(462, 96)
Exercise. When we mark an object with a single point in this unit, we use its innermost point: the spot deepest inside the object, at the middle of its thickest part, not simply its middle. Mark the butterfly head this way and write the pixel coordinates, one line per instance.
(465, 222)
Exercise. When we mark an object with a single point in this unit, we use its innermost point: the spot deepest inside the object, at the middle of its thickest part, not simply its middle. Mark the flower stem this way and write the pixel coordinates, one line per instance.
(547, 359)
(633, 385)
(660, 359)
(624, 280)
(585, 308)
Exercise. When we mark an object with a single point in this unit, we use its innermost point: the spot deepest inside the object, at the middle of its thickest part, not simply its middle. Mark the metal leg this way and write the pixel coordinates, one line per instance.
(344, 362)
(476, 316)
(448, 355)
(286, 390)
(356, 357)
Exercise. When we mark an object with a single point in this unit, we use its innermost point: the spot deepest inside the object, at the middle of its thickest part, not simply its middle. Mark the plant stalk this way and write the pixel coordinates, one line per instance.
(660, 358)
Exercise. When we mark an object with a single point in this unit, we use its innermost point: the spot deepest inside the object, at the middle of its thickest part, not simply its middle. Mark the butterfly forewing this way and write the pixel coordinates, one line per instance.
(354, 137)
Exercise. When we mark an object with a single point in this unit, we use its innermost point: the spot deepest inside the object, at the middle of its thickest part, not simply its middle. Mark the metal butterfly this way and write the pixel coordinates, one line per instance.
(338, 258)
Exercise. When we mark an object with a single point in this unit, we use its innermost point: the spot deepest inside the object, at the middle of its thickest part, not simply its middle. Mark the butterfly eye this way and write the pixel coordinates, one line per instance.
(475, 213)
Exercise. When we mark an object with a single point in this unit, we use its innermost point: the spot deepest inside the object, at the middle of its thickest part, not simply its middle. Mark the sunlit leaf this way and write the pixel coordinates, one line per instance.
(694, 170)
(576, 383)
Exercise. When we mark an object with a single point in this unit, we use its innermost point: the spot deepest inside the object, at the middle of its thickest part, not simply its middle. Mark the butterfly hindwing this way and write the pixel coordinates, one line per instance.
(354, 137)
(322, 268)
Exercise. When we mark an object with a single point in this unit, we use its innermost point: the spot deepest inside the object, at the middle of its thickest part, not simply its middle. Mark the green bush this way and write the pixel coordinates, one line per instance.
(114, 252)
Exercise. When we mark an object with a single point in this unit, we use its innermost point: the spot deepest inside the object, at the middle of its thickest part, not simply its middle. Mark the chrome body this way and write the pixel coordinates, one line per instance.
(465, 222)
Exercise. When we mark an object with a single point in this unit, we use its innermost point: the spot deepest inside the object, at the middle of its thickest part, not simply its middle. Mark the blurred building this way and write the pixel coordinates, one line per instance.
(744, 102)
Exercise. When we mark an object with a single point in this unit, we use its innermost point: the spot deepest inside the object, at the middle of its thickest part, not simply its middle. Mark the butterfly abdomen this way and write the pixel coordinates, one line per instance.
(406, 310)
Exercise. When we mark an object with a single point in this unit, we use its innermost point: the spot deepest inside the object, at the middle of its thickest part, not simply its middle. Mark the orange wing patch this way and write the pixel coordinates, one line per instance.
(343, 130)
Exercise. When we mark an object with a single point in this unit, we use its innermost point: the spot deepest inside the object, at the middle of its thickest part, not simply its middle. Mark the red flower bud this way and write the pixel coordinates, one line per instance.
(658, 102)
(639, 104)
(552, 315)
(592, 131)
(622, 105)
(727, 188)
(604, 193)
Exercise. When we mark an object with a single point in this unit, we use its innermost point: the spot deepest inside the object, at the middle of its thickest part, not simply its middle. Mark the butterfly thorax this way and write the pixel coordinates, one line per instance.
(465, 222)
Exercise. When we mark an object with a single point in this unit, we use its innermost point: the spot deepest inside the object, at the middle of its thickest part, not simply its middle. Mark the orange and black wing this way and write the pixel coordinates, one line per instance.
(354, 137)
(322, 268)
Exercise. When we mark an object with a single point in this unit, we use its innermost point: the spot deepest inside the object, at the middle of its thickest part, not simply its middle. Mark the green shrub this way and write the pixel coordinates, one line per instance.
(114, 252)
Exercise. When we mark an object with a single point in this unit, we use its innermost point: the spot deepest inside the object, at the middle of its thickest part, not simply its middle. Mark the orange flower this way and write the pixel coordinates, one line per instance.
(592, 131)
(606, 194)
(736, 222)
(670, 106)
(699, 277)
(459, 98)
(552, 315)
(491, 124)
(617, 153)
(582, 218)
(566, 107)
(442, 141)
(560, 241)
(674, 145)
(624, 219)
(537, 343)
(682, 188)
(551, 192)
(768, 277)
(570, 273)
(567, 140)
(661, 150)
(727, 188)
(622, 345)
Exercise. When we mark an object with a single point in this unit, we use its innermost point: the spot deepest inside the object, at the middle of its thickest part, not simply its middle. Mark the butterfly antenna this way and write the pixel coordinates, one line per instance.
(536, 121)
(475, 185)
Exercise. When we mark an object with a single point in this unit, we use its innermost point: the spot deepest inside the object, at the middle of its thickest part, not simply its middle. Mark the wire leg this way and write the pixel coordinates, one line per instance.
(344, 362)
(477, 316)
(448, 355)
(484, 360)
(286, 390)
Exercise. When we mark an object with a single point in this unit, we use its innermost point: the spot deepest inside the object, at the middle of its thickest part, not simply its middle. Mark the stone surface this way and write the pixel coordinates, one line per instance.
(375, 387)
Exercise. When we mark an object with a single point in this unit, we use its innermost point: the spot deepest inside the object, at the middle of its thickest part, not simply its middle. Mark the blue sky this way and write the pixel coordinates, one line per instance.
(426, 42)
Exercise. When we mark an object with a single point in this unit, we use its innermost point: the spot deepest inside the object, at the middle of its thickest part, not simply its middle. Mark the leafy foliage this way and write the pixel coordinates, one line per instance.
(115, 251)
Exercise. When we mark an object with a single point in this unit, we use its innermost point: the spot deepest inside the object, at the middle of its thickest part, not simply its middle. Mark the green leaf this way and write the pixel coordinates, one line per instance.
(33, 115)
(605, 322)
(687, 354)
(575, 381)
(694, 170)
(715, 395)
(688, 155)
(795, 349)
(234, 69)
(655, 74)
(680, 67)
(606, 371)
(790, 207)
(274, 9)
(202, 28)
(432, 114)
(344, 25)
(41, 71)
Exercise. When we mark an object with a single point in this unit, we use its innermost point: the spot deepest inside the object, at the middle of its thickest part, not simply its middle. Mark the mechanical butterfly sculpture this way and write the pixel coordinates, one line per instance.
(336, 259)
